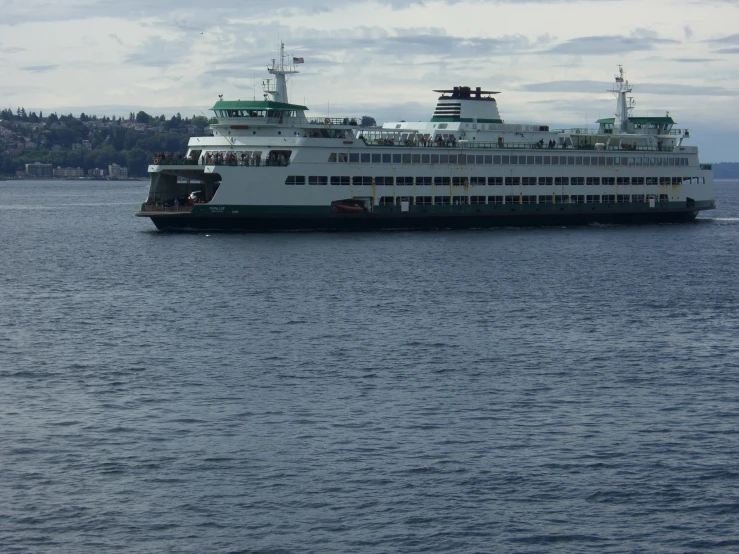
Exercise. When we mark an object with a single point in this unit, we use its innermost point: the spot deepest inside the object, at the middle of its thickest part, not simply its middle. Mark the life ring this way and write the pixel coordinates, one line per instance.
(327, 120)
(156, 161)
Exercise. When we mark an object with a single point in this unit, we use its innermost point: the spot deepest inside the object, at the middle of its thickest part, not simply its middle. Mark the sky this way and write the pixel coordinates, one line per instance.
(551, 60)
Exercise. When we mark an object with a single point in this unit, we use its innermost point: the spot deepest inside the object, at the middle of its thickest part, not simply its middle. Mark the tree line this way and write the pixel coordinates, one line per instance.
(59, 139)
(110, 140)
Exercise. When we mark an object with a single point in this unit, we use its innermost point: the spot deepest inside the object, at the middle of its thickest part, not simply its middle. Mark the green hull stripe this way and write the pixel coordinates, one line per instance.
(276, 210)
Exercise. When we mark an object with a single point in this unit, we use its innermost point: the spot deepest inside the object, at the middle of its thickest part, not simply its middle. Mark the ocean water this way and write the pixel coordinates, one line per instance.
(505, 390)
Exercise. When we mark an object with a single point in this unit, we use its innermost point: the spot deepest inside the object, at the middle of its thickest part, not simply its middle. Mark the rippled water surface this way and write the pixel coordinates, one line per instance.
(509, 390)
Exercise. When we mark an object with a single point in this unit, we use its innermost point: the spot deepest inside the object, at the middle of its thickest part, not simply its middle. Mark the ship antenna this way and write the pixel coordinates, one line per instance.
(621, 88)
(281, 73)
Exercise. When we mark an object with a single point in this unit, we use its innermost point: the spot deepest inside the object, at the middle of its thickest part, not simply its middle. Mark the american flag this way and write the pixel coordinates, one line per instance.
(298, 60)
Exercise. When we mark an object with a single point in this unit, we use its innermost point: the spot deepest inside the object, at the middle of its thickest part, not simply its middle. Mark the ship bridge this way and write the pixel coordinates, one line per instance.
(641, 126)
(259, 111)
(465, 104)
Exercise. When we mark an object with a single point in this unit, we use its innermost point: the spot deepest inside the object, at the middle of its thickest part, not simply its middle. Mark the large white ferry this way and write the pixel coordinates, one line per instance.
(269, 166)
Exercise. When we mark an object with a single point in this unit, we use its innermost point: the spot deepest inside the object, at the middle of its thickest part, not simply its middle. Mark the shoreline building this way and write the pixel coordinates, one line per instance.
(37, 170)
(69, 173)
(115, 171)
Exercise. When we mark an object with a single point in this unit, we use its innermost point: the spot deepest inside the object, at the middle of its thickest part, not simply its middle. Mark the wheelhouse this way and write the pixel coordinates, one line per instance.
(258, 109)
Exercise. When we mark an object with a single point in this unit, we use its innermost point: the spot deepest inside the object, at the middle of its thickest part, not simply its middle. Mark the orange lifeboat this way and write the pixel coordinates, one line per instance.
(347, 207)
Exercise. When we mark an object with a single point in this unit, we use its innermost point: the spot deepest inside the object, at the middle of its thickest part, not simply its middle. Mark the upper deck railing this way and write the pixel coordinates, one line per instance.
(577, 131)
(351, 121)
(234, 162)
(640, 132)
(277, 120)
(174, 161)
(504, 145)
(251, 162)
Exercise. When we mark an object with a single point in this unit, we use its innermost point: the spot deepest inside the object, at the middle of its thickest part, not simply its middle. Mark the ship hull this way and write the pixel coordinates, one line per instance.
(503, 216)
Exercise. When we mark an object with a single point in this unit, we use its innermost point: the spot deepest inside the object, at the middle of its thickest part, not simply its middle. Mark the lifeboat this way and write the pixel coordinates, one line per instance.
(347, 208)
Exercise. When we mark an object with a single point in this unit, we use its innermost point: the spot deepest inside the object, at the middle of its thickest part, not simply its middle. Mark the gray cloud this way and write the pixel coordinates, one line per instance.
(10, 90)
(609, 44)
(643, 88)
(183, 10)
(730, 44)
(361, 47)
(729, 39)
(196, 14)
(451, 47)
(446, 58)
(407, 43)
(590, 87)
(10, 49)
(158, 52)
(685, 90)
(39, 68)
(695, 60)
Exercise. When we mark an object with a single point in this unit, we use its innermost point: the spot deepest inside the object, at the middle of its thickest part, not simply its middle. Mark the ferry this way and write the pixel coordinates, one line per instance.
(269, 166)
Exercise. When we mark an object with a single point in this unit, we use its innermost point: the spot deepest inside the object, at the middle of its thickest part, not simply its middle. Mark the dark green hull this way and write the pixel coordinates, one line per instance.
(283, 218)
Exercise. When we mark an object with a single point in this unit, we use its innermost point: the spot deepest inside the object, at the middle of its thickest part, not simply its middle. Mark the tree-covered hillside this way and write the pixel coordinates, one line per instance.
(91, 142)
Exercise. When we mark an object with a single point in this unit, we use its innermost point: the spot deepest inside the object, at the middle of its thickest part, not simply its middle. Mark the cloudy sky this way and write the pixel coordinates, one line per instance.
(552, 60)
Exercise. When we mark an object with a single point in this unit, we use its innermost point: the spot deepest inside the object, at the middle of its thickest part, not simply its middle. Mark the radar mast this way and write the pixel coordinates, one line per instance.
(624, 104)
(277, 88)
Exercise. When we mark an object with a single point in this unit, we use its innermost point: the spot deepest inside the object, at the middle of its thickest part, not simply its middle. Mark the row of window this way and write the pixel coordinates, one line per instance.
(490, 181)
(255, 113)
(489, 159)
(520, 199)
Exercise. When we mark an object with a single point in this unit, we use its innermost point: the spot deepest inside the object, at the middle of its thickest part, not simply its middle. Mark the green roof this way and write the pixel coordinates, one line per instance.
(255, 105)
(664, 120)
